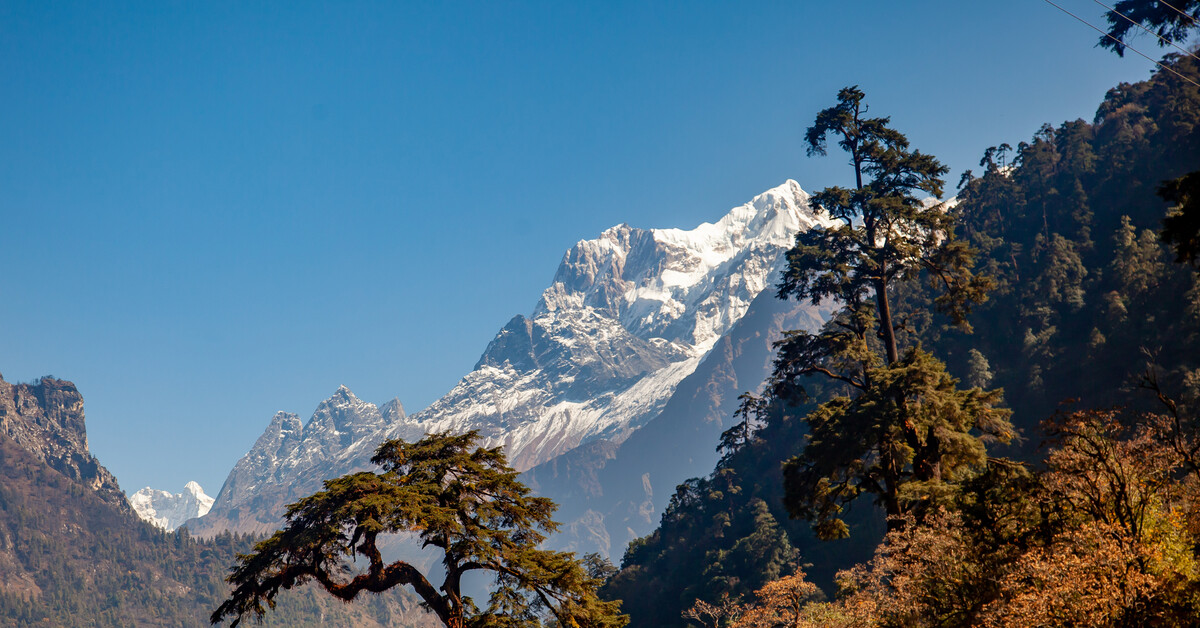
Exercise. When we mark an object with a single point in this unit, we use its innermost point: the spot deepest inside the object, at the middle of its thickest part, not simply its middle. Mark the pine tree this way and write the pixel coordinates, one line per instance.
(465, 502)
(1181, 227)
(902, 431)
(1170, 21)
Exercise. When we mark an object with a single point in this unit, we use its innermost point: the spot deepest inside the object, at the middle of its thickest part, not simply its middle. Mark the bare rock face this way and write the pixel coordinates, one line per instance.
(46, 419)
(292, 457)
(628, 316)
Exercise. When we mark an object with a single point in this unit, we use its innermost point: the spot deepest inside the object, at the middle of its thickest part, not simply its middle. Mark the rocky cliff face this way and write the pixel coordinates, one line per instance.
(628, 316)
(291, 458)
(46, 419)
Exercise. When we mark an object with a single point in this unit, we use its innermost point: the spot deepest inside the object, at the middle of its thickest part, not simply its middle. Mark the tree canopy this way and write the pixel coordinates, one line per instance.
(1181, 227)
(461, 499)
(1169, 22)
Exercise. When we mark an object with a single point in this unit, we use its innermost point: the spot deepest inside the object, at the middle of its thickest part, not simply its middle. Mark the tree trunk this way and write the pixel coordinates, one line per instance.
(927, 466)
(886, 331)
(891, 505)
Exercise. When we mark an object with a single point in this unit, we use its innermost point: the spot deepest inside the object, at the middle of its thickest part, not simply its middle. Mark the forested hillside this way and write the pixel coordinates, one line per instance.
(1086, 310)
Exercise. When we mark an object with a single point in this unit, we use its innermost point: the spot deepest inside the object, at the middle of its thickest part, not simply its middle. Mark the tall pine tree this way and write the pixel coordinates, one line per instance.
(902, 431)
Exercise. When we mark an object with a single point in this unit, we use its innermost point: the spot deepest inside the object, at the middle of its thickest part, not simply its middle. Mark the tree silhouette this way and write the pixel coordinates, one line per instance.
(1171, 21)
(461, 499)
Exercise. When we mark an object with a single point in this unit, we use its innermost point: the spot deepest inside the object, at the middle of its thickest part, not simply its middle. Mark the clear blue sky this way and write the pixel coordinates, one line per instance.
(210, 211)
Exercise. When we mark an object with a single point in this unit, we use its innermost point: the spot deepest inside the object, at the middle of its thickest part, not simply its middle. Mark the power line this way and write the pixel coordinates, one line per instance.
(1139, 25)
(1185, 15)
(1169, 69)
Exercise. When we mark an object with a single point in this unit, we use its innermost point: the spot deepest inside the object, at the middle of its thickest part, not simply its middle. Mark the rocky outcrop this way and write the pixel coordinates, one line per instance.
(46, 419)
(291, 458)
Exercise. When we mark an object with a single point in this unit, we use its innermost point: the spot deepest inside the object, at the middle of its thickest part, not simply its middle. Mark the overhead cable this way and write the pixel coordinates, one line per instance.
(1102, 32)
(1139, 25)
(1185, 15)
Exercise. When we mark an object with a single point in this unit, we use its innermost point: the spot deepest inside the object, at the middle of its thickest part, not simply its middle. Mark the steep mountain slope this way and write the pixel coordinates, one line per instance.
(46, 420)
(291, 458)
(628, 317)
(609, 493)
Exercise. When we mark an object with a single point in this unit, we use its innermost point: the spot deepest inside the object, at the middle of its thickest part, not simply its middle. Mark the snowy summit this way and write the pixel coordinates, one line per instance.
(169, 511)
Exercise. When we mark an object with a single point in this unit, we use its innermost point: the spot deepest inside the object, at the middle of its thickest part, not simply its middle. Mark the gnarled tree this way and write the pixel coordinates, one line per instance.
(461, 499)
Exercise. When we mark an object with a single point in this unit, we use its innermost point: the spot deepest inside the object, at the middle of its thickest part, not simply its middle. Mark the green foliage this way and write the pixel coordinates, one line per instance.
(1085, 300)
(1170, 21)
(1181, 227)
(716, 541)
(463, 500)
(887, 233)
(902, 431)
(979, 371)
(909, 438)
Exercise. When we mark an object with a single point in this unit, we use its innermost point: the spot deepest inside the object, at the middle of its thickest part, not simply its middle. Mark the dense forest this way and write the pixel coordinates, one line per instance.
(1052, 296)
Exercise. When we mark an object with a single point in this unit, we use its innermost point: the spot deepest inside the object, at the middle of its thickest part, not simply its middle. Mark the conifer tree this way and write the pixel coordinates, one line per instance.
(1170, 21)
(462, 500)
(1181, 227)
(888, 233)
(903, 431)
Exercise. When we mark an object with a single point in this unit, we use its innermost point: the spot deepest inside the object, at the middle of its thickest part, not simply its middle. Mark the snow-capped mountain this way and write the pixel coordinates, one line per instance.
(291, 457)
(627, 317)
(167, 510)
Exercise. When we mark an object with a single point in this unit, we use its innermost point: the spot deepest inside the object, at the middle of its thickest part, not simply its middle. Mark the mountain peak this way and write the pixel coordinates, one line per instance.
(682, 286)
(168, 511)
(393, 410)
(628, 314)
(343, 397)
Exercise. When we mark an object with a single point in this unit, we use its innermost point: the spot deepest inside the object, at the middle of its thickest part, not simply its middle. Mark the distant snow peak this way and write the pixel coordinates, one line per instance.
(169, 511)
